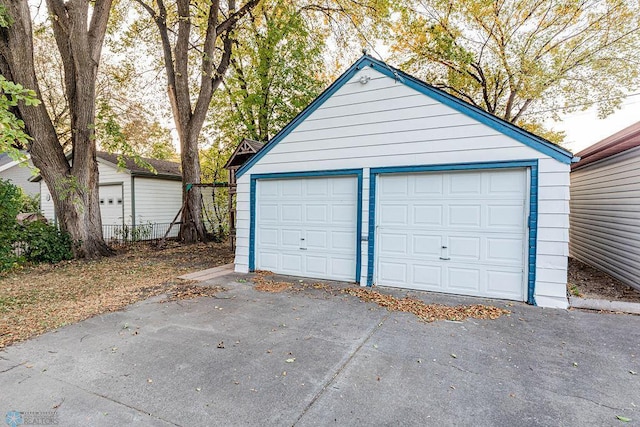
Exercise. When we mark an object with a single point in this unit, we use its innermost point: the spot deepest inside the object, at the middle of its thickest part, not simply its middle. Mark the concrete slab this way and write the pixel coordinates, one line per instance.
(311, 358)
(607, 305)
(209, 273)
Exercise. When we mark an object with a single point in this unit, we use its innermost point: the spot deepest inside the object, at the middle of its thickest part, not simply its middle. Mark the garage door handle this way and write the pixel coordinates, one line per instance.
(445, 259)
(303, 249)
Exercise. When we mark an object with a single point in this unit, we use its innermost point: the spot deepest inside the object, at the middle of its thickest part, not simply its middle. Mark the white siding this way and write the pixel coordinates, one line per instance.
(46, 203)
(157, 200)
(19, 176)
(605, 216)
(385, 123)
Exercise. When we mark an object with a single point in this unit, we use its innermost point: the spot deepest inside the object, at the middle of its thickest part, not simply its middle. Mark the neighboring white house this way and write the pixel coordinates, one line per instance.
(605, 206)
(386, 180)
(131, 195)
(19, 173)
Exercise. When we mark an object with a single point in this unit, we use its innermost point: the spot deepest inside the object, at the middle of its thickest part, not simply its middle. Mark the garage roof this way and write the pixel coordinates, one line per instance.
(507, 128)
(623, 140)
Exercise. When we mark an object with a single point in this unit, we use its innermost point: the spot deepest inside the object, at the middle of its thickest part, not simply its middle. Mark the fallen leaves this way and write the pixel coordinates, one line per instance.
(38, 299)
(427, 312)
(623, 419)
(190, 291)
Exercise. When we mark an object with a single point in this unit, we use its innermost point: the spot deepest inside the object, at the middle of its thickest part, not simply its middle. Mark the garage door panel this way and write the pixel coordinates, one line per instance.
(268, 237)
(291, 262)
(268, 213)
(291, 188)
(465, 183)
(464, 280)
(344, 187)
(343, 214)
(505, 217)
(429, 184)
(395, 186)
(464, 248)
(500, 283)
(316, 213)
(342, 241)
(316, 265)
(317, 187)
(316, 239)
(466, 232)
(394, 243)
(391, 214)
(268, 189)
(341, 268)
(465, 216)
(428, 215)
(269, 260)
(427, 277)
(506, 182)
(393, 272)
(503, 250)
(308, 225)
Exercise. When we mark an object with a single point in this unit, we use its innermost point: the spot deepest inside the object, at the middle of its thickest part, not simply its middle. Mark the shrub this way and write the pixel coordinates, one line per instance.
(9, 207)
(45, 243)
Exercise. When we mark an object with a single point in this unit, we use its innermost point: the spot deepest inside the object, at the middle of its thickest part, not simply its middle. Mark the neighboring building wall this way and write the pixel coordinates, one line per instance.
(157, 200)
(605, 216)
(385, 123)
(19, 175)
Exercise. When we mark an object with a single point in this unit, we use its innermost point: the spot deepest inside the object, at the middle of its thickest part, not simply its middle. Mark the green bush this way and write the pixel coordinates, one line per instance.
(45, 243)
(10, 204)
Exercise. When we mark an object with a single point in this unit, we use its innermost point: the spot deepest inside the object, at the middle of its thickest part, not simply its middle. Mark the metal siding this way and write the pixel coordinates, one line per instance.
(398, 142)
(605, 218)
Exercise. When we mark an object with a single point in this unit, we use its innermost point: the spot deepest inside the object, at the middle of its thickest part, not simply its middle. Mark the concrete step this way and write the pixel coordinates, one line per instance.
(210, 273)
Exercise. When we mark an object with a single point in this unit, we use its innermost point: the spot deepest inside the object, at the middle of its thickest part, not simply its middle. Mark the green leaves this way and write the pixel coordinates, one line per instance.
(12, 130)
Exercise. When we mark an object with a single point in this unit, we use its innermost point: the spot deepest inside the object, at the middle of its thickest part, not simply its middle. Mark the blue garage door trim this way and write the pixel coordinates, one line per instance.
(307, 174)
(533, 207)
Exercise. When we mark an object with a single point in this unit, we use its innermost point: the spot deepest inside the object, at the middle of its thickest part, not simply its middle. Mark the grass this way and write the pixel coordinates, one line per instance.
(41, 298)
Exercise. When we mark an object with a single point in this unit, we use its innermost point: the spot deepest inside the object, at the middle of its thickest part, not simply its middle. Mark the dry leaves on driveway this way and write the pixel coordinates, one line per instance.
(427, 312)
(424, 311)
(44, 297)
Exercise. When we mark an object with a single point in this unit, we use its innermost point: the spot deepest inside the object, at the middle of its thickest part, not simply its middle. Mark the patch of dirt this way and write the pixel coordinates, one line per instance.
(38, 299)
(587, 282)
(422, 310)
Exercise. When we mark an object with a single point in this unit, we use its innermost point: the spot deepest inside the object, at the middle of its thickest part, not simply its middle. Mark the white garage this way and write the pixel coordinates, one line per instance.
(385, 180)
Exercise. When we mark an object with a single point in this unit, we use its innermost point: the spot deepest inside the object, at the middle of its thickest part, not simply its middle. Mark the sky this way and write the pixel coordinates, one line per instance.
(584, 128)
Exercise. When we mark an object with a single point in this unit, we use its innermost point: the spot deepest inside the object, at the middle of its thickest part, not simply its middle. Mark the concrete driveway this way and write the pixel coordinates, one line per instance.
(309, 358)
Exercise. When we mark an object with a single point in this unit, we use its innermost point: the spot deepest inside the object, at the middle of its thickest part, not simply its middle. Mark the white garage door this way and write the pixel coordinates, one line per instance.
(111, 204)
(455, 232)
(307, 227)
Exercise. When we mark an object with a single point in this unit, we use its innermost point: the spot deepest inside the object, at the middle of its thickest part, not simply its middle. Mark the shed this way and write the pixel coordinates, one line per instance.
(132, 195)
(19, 173)
(243, 152)
(605, 206)
(384, 179)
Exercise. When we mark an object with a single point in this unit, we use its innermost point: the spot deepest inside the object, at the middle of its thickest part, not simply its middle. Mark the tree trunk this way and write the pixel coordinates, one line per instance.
(73, 186)
(192, 229)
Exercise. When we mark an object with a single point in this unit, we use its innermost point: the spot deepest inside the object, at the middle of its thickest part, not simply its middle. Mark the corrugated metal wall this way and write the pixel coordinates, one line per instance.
(605, 216)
